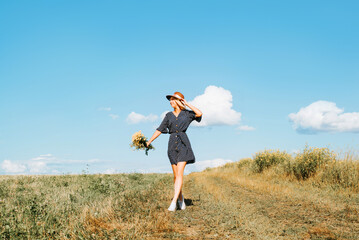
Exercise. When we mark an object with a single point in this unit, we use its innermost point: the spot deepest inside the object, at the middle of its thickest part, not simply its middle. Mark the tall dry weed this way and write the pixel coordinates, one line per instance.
(324, 166)
(267, 158)
(341, 173)
(310, 160)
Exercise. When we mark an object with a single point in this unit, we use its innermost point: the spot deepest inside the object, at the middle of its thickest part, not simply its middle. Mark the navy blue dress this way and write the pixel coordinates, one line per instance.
(179, 147)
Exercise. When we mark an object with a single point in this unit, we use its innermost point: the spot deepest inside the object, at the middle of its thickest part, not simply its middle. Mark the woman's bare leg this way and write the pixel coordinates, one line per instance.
(179, 180)
(174, 168)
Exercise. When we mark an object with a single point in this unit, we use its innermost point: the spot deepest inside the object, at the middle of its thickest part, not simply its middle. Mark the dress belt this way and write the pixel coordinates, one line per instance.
(182, 139)
(176, 132)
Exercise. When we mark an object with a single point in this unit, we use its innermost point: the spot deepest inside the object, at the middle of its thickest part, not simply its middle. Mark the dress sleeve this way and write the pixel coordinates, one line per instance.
(192, 116)
(163, 128)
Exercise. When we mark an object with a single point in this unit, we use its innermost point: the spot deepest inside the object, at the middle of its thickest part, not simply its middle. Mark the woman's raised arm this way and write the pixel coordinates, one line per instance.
(194, 109)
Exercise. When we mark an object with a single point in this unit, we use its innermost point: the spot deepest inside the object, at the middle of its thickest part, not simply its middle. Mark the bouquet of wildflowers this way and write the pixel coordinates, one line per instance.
(139, 142)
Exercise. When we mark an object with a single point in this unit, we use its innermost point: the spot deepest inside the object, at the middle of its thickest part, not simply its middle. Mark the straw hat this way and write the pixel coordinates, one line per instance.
(179, 97)
(175, 95)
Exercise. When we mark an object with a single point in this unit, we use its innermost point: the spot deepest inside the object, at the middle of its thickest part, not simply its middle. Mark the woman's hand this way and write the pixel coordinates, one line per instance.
(184, 101)
(196, 110)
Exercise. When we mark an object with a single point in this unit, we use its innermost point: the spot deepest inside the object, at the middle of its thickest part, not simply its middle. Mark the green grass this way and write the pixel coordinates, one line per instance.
(82, 206)
(235, 201)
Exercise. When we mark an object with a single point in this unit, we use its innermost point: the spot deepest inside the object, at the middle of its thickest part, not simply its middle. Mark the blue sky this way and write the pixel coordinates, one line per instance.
(71, 72)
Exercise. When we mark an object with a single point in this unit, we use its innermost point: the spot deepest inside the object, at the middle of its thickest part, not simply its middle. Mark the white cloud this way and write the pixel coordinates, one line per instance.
(50, 159)
(201, 165)
(94, 160)
(107, 109)
(114, 116)
(104, 109)
(43, 157)
(156, 169)
(216, 106)
(324, 116)
(45, 163)
(161, 169)
(246, 128)
(134, 118)
(37, 167)
(110, 171)
(11, 167)
(162, 116)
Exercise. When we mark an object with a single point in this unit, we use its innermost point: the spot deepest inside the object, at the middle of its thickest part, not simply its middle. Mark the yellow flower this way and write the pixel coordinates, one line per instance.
(139, 141)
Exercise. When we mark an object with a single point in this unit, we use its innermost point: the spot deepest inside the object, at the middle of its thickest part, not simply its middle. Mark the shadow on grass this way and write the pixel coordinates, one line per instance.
(189, 202)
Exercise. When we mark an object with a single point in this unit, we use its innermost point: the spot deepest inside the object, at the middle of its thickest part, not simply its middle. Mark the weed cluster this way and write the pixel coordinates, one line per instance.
(268, 158)
(343, 173)
(307, 163)
(321, 165)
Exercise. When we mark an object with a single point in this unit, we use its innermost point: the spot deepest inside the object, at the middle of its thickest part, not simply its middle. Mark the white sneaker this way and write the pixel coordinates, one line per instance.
(182, 205)
(172, 207)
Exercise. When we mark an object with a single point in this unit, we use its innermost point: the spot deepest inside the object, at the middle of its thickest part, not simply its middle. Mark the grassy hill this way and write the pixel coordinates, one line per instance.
(237, 201)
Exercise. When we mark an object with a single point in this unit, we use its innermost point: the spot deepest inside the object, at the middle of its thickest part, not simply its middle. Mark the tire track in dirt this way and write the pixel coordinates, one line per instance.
(245, 213)
(308, 215)
(206, 218)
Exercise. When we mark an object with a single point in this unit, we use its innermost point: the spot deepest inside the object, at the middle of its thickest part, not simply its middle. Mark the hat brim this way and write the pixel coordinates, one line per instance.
(169, 97)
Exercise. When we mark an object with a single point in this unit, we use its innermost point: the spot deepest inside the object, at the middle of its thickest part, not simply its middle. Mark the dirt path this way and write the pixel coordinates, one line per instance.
(221, 207)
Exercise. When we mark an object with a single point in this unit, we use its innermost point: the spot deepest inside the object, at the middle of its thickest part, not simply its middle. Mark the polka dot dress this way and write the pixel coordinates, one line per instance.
(179, 146)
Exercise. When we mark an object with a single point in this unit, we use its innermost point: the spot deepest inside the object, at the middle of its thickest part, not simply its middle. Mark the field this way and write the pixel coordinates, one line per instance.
(235, 201)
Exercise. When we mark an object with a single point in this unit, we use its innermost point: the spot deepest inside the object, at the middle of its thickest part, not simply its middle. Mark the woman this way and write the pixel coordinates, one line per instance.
(179, 148)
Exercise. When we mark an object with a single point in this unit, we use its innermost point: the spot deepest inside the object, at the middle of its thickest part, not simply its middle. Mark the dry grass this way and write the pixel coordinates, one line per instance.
(272, 204)
(230, 202)
(269, 207)
(120, 206)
